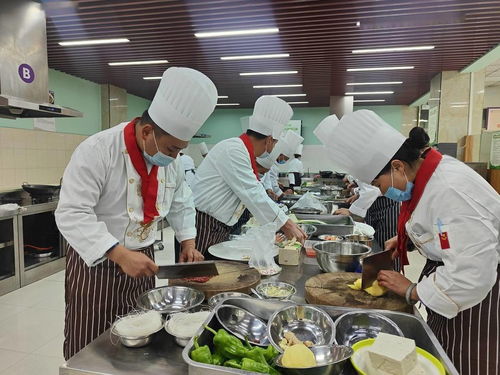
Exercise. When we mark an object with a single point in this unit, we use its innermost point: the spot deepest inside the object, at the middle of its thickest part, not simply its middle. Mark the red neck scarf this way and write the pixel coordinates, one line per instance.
(248, 144)
(149, 182)
(424, 174)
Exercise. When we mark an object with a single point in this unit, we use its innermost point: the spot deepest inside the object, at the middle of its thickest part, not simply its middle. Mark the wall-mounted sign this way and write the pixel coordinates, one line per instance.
(26, 73)
(495, 151)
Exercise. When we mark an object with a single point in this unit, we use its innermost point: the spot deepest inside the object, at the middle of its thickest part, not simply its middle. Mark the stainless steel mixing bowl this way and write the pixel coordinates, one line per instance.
(169, 299)
(263, 290)
(334, 256)
(307, 322)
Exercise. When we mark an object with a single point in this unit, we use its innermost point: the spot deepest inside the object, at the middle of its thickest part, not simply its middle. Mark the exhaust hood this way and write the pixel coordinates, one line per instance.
(24, 68)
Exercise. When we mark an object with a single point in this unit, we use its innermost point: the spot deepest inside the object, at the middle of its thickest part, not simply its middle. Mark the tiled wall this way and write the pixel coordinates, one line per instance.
(34, 156)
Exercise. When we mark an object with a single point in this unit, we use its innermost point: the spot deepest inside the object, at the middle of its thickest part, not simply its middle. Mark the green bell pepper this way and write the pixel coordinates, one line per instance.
(218, 359)
(270, 353)
(201, 353)
(251, 365)
(229, 346)
(233, 363)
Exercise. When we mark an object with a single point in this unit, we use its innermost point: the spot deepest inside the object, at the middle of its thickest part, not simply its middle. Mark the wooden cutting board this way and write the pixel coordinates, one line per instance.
(233, 277)
(331, 289)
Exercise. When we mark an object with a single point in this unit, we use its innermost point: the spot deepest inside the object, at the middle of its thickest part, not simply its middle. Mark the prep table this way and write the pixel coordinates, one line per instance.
(163, 356)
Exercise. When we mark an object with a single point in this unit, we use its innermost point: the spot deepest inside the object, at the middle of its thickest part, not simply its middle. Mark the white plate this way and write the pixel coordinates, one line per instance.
(360, 357)
(229, 251)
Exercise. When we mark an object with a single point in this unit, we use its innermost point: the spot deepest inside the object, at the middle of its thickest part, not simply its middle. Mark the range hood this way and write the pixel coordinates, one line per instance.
(24, 69)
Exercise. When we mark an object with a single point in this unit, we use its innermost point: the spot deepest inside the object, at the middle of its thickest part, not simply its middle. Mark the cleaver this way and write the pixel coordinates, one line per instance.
(182, 270)
(374, 263)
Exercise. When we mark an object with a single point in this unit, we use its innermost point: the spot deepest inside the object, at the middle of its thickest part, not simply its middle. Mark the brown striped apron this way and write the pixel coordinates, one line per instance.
(210, 231)
(471, 339)
(95, 297)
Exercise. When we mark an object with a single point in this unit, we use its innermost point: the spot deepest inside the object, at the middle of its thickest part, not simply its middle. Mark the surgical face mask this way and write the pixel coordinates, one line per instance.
(281, 162)
(159, 159)
(399, 195)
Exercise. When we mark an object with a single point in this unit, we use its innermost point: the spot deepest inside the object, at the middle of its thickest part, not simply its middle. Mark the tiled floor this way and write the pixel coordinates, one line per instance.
(32, 320)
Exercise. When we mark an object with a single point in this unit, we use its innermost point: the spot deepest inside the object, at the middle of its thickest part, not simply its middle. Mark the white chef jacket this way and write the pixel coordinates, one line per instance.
(294, 166)
(368, 194)
(469, 209)
(270, 180)
(189, 168)
(225, 185)
(100, 202)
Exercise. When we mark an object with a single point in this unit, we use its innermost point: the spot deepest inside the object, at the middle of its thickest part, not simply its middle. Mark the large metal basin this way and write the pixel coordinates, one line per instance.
(337, 256)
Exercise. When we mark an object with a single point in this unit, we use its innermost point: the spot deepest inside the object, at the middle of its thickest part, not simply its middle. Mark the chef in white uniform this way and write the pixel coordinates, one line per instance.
(118, 185)
(452, 215)
(296, 168)
(284, 149)
(188, 166)
(227, 180)
(203, 149)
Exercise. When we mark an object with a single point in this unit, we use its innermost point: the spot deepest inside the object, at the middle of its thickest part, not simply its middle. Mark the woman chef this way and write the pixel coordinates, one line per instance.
(452, 215)
(118, 185)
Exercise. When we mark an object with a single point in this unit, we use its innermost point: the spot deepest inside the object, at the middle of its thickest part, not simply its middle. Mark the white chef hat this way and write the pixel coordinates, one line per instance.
(203, 148)
(362, 144)
(270, 115)
(298, 150)
(184, 100)
(291, 141)
(325, 128)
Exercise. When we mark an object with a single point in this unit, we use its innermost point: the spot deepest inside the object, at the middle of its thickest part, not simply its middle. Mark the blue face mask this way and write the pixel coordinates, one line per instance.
(399, 195)
(159, 159)
(281, 161)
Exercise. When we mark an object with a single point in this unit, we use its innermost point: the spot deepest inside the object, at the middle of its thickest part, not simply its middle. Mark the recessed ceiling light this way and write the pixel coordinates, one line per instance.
(369, 93)
(393, 49)
(250, 57)
(368, 100)
(380, 68)
(288, 95)
(91, 42)
(214, 34)
(358, 24)
(222, 97)
(269, 73)
(151, 78)
(146, 62)
(298, 102)
(275, 86)
(374, 83)
(228, 103)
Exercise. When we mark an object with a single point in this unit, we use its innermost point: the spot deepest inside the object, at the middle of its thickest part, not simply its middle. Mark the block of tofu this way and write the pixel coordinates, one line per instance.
(290, 255)
(393, 355)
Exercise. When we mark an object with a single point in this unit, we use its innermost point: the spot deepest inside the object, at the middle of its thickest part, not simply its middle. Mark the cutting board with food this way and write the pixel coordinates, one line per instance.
(333, 289)
(233, 277)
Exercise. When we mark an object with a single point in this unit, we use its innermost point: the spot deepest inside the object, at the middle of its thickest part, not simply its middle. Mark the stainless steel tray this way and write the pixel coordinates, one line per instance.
(413, 327)
(335, 224)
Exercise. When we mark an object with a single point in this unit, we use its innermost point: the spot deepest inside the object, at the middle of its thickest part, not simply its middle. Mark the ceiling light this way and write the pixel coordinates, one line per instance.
(275, 86)
(269, 73)
(146, 62)
(393, 49)
(222, 97)
(91, 42)
(368, 100)
(214, 34)
(151, 78)
(298, 102)
(228, 103)
(288, 95)
(374, 83)
(380, 68)
(249, 57)
(369, 93)
(358, 24)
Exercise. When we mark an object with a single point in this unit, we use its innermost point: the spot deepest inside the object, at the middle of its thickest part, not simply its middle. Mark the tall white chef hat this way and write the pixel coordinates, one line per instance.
(291, 141)
(184, 100)
(299, 150)
(362, 144)
(325, 128)
(270, 115)
(203, 148)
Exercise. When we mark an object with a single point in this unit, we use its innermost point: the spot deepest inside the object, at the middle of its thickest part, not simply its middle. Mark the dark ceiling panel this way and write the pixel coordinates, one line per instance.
(319, 36)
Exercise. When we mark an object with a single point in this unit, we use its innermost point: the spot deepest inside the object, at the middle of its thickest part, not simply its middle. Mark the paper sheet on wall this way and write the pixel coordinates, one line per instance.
(495, 151)
(432, 123)
(47, 124)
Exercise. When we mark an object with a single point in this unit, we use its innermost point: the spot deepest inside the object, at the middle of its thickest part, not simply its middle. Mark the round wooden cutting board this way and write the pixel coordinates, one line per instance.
(331, 289)
(233, 277)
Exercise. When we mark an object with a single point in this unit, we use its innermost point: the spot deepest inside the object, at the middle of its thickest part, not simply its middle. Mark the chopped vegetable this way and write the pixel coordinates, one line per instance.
(298, 356)
(375, 290)
(290, 339)
(275, 291)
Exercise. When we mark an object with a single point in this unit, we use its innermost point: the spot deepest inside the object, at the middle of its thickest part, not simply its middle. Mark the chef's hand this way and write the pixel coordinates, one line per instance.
(392, 244)
(133, 263)
(189, 253)
(342, 211)
(352, 199)
(288, 192)
(396, 282)
(291, 230)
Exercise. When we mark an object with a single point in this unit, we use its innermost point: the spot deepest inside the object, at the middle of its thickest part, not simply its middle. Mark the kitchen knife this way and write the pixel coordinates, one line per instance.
(182, 270)
(372, 264)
